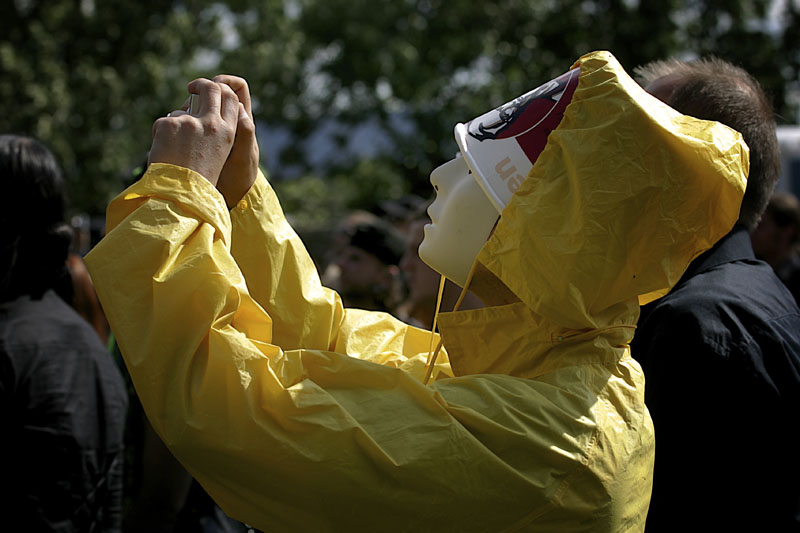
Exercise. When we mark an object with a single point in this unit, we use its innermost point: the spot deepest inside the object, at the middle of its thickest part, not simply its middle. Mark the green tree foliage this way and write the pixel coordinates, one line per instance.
(88, 77)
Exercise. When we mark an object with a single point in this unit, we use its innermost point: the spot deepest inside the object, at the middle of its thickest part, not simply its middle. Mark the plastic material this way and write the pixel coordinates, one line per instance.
(498, 150)
(502, 145)
(296, 414)
(462, 217)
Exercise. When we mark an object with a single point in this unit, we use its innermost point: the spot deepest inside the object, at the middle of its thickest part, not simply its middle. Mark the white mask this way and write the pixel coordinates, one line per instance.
(462, 218)
(501, 147)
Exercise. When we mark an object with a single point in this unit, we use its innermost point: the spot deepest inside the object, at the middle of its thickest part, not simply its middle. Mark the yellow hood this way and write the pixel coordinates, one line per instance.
(624, 196)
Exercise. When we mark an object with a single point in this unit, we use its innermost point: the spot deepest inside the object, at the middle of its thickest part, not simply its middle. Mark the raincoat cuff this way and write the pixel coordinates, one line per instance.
(252, 199)
(181, 186)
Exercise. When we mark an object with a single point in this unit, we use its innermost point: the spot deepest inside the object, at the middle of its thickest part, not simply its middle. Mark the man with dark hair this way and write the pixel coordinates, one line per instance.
(62, 400)
(713, 89)
(364, 263)
(720, 351)
(775, 239)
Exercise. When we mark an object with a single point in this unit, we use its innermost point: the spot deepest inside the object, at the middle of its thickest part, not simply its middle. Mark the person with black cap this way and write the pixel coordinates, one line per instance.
(363, 267)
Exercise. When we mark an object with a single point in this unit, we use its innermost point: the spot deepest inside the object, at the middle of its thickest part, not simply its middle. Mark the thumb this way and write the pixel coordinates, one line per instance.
(245, 120)
(245, 128)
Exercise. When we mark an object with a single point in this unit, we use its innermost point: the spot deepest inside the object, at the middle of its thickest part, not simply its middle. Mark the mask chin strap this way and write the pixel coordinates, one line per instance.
(434, 354)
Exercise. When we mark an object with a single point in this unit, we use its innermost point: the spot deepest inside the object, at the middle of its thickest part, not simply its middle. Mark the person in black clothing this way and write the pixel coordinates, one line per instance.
(721, 351)
(775, 239)
(62, 399)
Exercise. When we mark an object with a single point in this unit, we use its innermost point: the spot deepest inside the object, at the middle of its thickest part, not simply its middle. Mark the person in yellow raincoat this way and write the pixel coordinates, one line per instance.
(297, 414)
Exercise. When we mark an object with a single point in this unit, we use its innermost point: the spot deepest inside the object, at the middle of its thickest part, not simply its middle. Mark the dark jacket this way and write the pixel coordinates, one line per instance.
(789, 274)
(721, 359)
(63, 404)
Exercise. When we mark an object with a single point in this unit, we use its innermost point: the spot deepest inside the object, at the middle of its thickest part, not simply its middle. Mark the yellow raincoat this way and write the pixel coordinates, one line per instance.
(297, 414)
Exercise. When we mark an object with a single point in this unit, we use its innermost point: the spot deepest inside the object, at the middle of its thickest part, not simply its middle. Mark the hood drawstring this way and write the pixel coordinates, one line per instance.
(433, 355)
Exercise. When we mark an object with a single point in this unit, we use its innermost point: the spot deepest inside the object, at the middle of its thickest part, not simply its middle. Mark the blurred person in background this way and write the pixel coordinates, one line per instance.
(721, 351)
(775, 239)
(363, 263)
(402, 211)
(62, 399)
(79, 292)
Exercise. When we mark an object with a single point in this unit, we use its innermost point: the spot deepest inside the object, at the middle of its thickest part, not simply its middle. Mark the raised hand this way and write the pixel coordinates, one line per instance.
(199, 142)
(241, 168)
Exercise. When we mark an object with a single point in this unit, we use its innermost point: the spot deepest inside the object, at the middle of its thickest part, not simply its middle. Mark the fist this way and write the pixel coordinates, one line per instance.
(199, 142)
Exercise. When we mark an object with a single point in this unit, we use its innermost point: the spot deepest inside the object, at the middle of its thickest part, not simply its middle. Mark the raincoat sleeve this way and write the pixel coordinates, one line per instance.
(290, 439)
(282, 278)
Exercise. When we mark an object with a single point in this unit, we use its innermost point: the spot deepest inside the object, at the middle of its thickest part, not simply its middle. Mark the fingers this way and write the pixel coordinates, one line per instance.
(240, 87)
(209, 93)
(167, 125)
(206, 140)
(245, 122)
(159, 123)
(229, 108)
(216, 98)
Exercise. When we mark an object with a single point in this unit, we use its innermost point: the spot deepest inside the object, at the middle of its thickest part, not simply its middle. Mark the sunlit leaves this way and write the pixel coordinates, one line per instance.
(88, 77)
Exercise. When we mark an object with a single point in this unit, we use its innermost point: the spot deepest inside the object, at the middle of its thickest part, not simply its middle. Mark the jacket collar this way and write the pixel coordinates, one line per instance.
(735, 246)
(513, 340)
